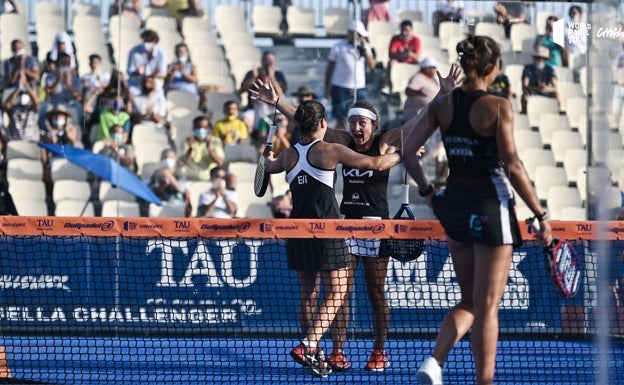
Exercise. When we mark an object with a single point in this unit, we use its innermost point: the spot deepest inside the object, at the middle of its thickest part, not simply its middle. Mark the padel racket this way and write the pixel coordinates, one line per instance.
(261, 179)
(405, 250)
(563, 263)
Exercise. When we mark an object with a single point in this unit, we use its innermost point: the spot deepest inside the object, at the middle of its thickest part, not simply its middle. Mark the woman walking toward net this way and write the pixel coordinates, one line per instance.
(477, 208)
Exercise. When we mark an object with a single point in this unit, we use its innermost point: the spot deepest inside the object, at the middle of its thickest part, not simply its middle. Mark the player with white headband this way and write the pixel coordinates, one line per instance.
(364, 197)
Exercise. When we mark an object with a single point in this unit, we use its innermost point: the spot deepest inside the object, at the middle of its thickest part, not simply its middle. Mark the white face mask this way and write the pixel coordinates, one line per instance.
(58, 122)
(148, 46)
(170, 162)
(20, 52)
(183, 59)
(24, 99)
(540, 65)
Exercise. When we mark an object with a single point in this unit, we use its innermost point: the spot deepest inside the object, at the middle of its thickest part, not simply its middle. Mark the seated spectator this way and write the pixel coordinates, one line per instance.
(305, 92)
(18, 63)
(447, 10)
(118, 147)
(59, 129)
(182, 73)
(379, 10)
(421, 88)
(231, 129)
(557, 55)
(149, 105)
(112, 115)
(538, 78)
(179, 8)
(147, 59)
(93, 84)
(22, 107)
(203, 152)
(63, 86)
(281, 206)
(166, 182)
(509, 13)
(128, 8)
(63, 43)
(404, 48)
(281, 138)
(501, 85)
(118, 87)
(218, 201)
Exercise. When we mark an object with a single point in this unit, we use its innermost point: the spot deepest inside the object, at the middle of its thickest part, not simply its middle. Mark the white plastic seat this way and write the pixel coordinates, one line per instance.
(576, 108)
(73, 208)
(547, 177)
(258, 210)
(573, 160)
(119, 208)
(22, 149)
(520, 31)
(559, 197)
(167, 210)
(23, 168)
(161, 24)
(21, 189)
(71, 189)
(448, 30)
(567, 89)
(573, 213)
(63, 169)
(536, 156)
(244, 171)
(197, 188)
(538, 105)
(336, 21)
(110, 193)
(301, 21)
(549, 122)
(266, 20)
(562, 140)
(410, 14)
(240, 153)
(525, 139)
(493, 30)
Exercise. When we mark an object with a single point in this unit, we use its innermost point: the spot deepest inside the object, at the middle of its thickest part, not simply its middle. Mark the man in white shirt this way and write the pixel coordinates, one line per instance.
(217, 202)
(147, 59)
(346, 71)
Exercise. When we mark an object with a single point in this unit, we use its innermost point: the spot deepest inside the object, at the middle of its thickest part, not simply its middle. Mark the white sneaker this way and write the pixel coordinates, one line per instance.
(430, 372)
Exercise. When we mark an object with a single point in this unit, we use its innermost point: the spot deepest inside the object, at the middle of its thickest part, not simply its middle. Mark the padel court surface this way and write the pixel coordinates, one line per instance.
(181, 361)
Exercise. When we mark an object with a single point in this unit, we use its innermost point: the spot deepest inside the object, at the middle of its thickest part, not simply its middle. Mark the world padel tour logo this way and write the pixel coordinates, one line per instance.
(570, 32)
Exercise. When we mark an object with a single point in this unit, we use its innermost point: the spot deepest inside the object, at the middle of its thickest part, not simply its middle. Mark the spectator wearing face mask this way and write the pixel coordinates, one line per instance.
(231, 129)
(58, 130)
(63, 86)
(166, 181)
(118, 148)
(203, 152)
(147, 59)
(18, 63)
(112, 115)
(218, 201)
(21, 107)
(150, 106)
(182, 73)
(538, 78)
(281, 206)
(281, 138)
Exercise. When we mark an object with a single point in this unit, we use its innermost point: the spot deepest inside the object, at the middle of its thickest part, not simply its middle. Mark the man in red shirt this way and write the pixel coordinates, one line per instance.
(404, 48)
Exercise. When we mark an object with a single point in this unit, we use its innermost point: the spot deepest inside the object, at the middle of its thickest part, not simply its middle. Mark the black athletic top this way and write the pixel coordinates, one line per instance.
(312, 188)
(364, 192)
(473, 159)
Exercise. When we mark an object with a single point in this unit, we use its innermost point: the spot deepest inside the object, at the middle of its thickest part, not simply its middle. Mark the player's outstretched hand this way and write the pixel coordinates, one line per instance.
(452, 80)
(263, 92)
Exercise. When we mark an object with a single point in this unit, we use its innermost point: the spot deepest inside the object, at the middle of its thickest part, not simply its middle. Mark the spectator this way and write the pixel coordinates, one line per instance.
(112, 115)
(231, 129)
(128, 8)
(218, 201)
(501, 85)
(93, 84)
(182, 73)
(21, 107)
(557, 55)
(509, 13)
(281, 206)
(281, 138)
(63, 43)
(266, 72)
(59, 129)
(404, 48)
(447, 10)
(379, 10)
(18, 63)
(538, 78)
(119, 148)
(203, 152)
(118, 87)
(63, 86)
(421, 88)
(345, 76)
(303, 93)
(149, 105)
(146, 59)
(166, 182)
(618, 88)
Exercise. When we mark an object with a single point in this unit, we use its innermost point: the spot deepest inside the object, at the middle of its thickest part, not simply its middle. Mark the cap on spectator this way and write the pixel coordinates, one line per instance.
(542, 52)
(58, 109)
(305, 90)
(428, 62)
(358, 26)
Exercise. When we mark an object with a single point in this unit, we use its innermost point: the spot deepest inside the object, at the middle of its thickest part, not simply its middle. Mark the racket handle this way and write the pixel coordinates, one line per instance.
(405, 194)
(535, 225)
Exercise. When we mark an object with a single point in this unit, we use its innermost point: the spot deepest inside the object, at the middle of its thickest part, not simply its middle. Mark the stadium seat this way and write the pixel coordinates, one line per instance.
(176, 98)
(168, 210)
(301, 21)
(336, 21)
(567, 89)
(73, 208)
(215, 101)
(614, 159)
(266, 20)
(14, 26)
(229, 17)
(110, 193)
(22, 149)
(46, 29)
(576, 108)
(491, 29)
(559, 197)
(161, 24)
(197, 188)
(573, 213)
(28, 196)
(244, 171)
(549, 122)
(148, 152)
(24, 168)
(518, 33)
(410, 14)
(538, 105)
(192, 25)
(64, 169)
(400, 74)
(240, 153)
(258, 210)
(448, 30)
(85, 9)
(120, 208)
(547, 177)
(562, 140)
(148, 170)
(533, 157)
(380, 44)
(71, 189)
(526, 139)
(377, 27)
(573, 160)
(279, 184)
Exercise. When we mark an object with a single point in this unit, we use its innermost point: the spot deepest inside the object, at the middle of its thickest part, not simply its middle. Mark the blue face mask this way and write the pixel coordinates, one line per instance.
(170, 163)
(201, 133)
(118, 137)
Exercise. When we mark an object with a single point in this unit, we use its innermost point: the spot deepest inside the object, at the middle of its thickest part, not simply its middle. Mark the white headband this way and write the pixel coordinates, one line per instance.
(362, 112)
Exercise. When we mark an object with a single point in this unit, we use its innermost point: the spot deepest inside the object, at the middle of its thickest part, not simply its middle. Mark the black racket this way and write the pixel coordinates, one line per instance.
(405, 250)
(563, 263)
(261, 180)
